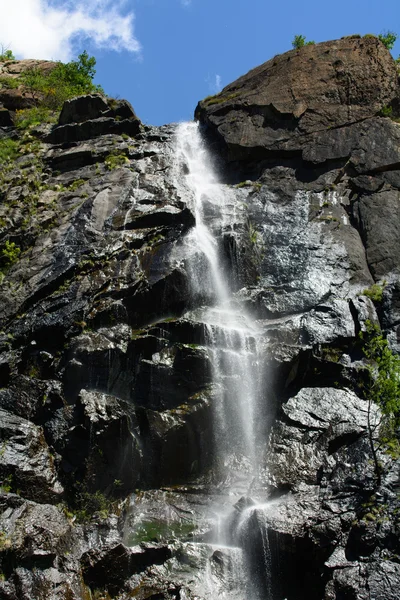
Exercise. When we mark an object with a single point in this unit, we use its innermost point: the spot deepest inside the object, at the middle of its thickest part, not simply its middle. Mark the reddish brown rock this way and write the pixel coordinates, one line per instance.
(17, 98)
(277, 106)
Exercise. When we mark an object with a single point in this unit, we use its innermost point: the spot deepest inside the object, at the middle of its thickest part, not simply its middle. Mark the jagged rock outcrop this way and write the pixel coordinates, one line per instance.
(106, 376)
(87, 117)
(13, 96)
(306, 102)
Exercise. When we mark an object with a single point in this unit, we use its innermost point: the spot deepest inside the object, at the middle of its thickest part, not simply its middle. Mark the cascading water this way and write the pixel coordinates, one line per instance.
(232, 338)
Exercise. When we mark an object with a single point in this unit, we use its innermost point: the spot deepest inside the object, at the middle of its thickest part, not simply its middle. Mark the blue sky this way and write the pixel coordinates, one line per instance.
(165, 55)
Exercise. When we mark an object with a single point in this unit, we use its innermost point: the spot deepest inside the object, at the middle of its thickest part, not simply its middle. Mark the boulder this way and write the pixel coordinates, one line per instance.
(92, 115)
(5, 117)
(114, 454)
(36, 533)
(325, 426)
(26, 460)
(300, 100)
(111, 566)
(377, 216)
(83, 108)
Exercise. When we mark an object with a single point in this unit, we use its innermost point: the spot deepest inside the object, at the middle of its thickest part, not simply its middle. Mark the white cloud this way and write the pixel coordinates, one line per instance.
(51, 28)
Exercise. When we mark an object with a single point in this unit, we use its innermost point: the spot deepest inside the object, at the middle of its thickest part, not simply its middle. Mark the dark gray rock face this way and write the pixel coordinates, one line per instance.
(92, 115)
(5, 117)
(107, 392)
(83, 108)
(26, 459)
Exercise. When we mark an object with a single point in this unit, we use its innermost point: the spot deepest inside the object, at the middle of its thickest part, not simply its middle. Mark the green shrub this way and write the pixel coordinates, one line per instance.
(254, 236)
(375, 292)
(386, 111)
(299, 41)
(243, 184)
(76, 184)
(90, 503)
(388, 38)
(6, 486)
(6, 54)
(383, 389)
(65, 81)
(115, 160)
(9, 83)
(31, 117)
(8, 150)
(9, 254)
(5, 541)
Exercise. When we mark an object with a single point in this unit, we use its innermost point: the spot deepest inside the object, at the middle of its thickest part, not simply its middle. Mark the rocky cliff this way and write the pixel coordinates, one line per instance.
(107, 390)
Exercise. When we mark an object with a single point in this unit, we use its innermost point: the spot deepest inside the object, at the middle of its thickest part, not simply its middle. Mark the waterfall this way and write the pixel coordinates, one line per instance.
(231, 335)
(232, 338)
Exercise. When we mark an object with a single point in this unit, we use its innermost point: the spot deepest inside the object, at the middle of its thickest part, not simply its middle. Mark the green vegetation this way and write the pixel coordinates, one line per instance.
(32, 117)
(243, 184)
(160, 531)
(331, 353)
(8, 150)
(66, 80)
(9, 83)
(6, 54)
(388, 38)
(115, 160)
(375, 292)
(255, 246)
(299, 41)
(76, 184)
(219, 99)
(90, 503)
(7, 484)
(9, 255)
(382, 389)
(253, 234)
(386, 111)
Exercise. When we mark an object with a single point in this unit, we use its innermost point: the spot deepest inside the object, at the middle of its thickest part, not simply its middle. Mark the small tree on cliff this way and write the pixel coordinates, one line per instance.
(388, 38)
(299, 41)
(6, 54)
(383, 389)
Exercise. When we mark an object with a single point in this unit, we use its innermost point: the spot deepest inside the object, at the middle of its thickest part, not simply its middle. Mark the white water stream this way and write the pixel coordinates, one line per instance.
(231, 335)
(232, 338)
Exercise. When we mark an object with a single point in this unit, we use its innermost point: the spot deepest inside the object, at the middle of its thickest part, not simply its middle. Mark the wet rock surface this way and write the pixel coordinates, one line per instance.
(107, 394)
